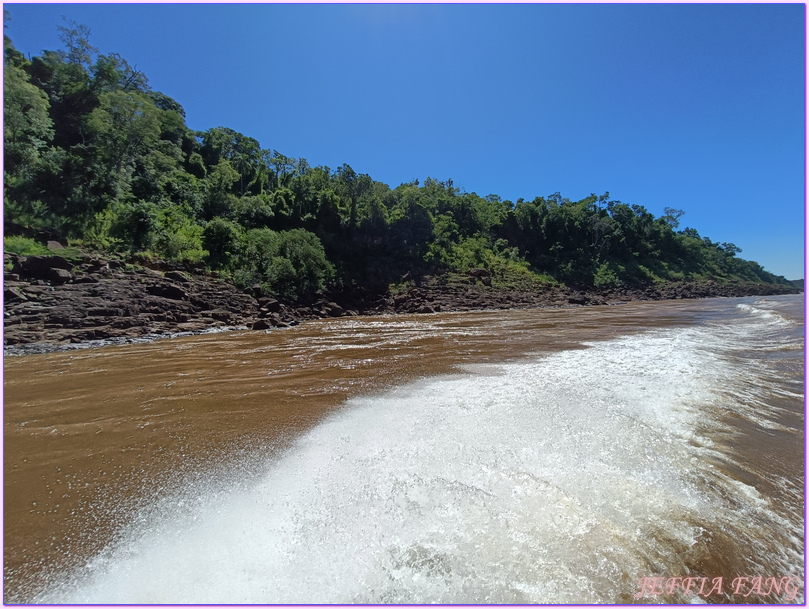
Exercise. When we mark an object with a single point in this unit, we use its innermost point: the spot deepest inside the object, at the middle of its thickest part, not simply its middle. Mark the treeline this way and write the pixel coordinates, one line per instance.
(93, 151)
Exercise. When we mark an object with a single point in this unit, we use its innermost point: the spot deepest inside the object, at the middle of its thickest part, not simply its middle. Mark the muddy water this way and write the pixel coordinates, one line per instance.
(99, 441)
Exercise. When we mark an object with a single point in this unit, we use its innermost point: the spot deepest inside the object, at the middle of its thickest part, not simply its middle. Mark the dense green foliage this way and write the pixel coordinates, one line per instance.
(93, 151)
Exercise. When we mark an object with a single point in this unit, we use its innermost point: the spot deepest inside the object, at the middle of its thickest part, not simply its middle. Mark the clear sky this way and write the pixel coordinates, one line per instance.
(697, 107)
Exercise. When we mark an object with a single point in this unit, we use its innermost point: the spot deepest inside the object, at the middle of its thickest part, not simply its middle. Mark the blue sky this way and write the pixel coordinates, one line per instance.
(697, 107)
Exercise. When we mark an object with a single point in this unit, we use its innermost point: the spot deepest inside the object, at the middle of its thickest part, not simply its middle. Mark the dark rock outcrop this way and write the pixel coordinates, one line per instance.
(52, 303)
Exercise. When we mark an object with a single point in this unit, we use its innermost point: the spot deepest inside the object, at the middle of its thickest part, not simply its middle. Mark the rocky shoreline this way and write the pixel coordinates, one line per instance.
(53, 303)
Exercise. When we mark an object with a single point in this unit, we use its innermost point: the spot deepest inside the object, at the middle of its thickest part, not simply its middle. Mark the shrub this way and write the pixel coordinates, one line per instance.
(471, 252)
(179, 238)
(133, 224)
(24, 246)
(221, 238)
(605, 277)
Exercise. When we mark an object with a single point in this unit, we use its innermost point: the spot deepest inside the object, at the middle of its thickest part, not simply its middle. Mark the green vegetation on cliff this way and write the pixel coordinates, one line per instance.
(92, 151)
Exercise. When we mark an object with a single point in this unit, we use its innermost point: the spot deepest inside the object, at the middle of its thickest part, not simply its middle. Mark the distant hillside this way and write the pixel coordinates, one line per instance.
(94, 154)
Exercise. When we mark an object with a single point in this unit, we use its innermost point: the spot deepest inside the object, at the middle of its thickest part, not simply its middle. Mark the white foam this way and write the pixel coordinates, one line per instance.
(548, 480)
(763, 310)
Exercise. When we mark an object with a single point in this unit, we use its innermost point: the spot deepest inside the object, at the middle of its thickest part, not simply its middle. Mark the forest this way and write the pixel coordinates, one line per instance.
(93, 152)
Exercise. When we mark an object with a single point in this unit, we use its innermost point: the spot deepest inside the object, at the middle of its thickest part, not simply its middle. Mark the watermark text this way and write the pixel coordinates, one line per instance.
(786, 588)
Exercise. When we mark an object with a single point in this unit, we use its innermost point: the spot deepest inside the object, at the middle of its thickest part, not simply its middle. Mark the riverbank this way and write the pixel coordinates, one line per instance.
(53, 303)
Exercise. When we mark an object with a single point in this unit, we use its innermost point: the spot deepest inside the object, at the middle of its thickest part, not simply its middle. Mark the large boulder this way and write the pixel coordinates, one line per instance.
(173, 292)
(38, 267)
(178, 276)
(261, 324)
(333, 309)
(59, 276)
(221, 315)
(271, 304)
(51, 234)
(12, 228)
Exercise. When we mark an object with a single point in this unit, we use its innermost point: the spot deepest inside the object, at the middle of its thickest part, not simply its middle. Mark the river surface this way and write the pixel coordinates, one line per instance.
(529, 456)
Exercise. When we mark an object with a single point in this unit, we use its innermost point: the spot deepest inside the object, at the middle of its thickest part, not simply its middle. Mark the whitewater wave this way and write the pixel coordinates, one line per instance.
(559, 479)
(764, 311)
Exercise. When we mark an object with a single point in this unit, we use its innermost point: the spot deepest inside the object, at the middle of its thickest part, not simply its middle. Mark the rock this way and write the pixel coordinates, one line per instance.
(154, 263)
(54, 246)
(333, 309)
(221, 315)
(271, 304)
(59, 276)
(66, 317)
(35, 291)
(104, 312)
(12, 228)
(38, 267)
(425, 309)
(191, 326)
(577, 299)
(84, 335)
(168, 291)
(11, 277)
(261, 324)
(102, 332)
(13, 295)
(178, 276)
(276, 321)
(47, 235)
(478, 273)
(20, 337)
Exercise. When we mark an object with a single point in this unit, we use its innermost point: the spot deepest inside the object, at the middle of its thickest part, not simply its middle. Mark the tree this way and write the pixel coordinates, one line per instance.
(124, 128)
(112, 72)
(219, 201)
(291, 263)
(242, 152)
(27, 126)
(76, 38)
(300, 267)
(353, 185)
(672, 216)
(134, 224)
(731, 249)
(221, 238)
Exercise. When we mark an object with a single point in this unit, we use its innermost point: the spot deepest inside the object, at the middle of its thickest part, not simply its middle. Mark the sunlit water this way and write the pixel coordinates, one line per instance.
(560, 476)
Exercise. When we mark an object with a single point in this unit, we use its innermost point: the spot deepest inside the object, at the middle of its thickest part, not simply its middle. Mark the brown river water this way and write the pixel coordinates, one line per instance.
(527, 456)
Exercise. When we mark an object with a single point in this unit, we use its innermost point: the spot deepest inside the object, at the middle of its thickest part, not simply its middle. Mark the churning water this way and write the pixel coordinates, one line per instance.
(565, 476)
